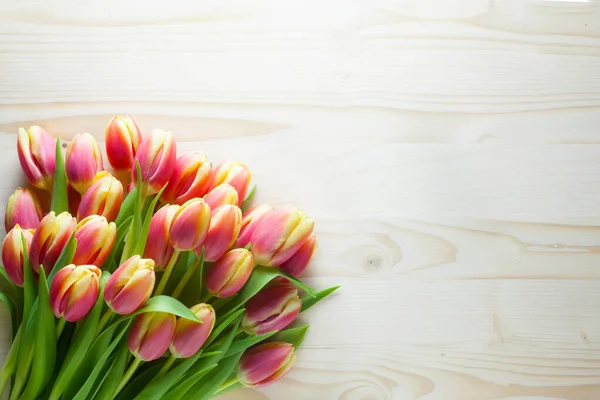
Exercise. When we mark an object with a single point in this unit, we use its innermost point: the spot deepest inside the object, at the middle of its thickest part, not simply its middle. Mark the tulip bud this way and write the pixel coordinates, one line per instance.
(279, 234)
(157, 156)
(298, 262)
(74, 291)
(190, 225)
(23, 208)
(234, 173)
(122, 138)
(225, 224)
(49, 240)
(222, 194)
(271, 309)
(190, 178)
(150, 335)
(37, 155)
(130, 286)
(104, 197)
(95, 240)
(250, 222)
(266, 363)
(230, 273)
(159, 247)
(12, 253)
(83, 161)
(190, 336)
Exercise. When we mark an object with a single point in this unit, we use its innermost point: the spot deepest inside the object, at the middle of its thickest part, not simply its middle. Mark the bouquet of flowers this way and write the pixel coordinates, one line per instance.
(155, 281)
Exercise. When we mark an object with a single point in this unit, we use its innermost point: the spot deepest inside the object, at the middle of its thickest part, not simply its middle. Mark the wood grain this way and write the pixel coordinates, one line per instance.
(447, 149)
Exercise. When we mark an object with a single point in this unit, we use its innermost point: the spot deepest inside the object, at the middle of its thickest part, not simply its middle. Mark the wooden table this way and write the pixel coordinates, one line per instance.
(449, 151)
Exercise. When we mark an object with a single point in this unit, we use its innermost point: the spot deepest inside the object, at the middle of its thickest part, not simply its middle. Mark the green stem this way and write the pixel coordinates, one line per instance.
(165, 368)
(168, 270)
(130, 371)
(230, 382)
(206, 298)
(60, 327)
(108, 314)
(186, 277)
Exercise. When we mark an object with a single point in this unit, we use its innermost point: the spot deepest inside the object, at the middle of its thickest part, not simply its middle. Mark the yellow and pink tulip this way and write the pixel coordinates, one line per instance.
(83, 161)
(271, 309)
(298, 262)
(190, 225)
(230, 273)
(23, 208)
(74, 291)
(190, 336)
(95, 240)
(104, 197)
(159, 247)
(49, 240)
(190, 179)
(250, 222)
(37, 155)
(12, 252)
(151, 334)
(157, 155)
(265, 364)
(225, 224)
(130, 286)
(235, 174)
(123, 139)
(222, 194)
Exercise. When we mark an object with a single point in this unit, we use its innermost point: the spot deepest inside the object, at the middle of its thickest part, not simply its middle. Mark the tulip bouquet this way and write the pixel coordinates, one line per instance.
(153, 281)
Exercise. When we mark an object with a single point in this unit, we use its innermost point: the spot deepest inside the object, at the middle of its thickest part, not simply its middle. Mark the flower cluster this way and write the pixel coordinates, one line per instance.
(158, 259)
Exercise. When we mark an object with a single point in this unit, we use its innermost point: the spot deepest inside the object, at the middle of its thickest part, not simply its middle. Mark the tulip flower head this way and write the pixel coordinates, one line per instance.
(271, 309)
(104, 197)
(190, 225)
(279, 234)
(265, 364)
(250, 222)
(235, 174)
(83, 161)
(225, 224)
(49, 240)
(74, 291)
(190, 178)
(222, 194)
(190, 336)
(123, 139)
(95, 240)
(23, 208)
(12, 253)
(151, 334)
(298, 262)
(230, 273)
(130, 286)
(159, 247)
(157, 155)
(37, 155)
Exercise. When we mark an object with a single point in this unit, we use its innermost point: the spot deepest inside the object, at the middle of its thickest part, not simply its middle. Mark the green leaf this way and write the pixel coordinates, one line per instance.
(45, 344)
(207, 386)
(62, 348)
(309, 301)
(29, 292)
(243, 344)
(293, 336)
(25, 351)
(179, 270)
(110, 381)
(229, 388)
(65, 257)
(136, 223)
(60, 199)
(87, 386)
(14, 292)
(118, 246)
(10, 363)
(81, 342)
(135, 386)
(248, 199)
(143, 236)
(126, 210)
(169, 305)
(260, 277)
(222, 325)
(10, 305)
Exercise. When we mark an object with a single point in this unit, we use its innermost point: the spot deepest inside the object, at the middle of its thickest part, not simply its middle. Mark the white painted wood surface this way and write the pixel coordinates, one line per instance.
(449, 151)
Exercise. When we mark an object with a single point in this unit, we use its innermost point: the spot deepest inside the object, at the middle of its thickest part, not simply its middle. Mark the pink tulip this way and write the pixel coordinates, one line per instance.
(12, 253)
(190, 336)
(190, 178)
(235, 174)
(150, 335)
(157, 156)
(158, 245)
(265, 364)
(123, 139)
(74, 291)
(279, 234)
(222, 194)
(250, 222)
(49, 240)
(37, 155)
(298, 262)
(104, 197)
(23, 208)
(190, 225)
(130, 286)
(225, 224)
(230, 273)
(271, 309)
(95, 240)
(83, 161)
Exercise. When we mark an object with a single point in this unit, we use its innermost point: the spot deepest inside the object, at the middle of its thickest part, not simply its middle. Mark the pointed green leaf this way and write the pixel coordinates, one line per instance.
(60, 199)
(169, 305)
(135, 386)
(10, 305)
(110, 381)
(309, 301)
(243, 344)
(14, 292)
(65, 257)
(126, 210)
(143, 237)
(293, 336)
(205, 388)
